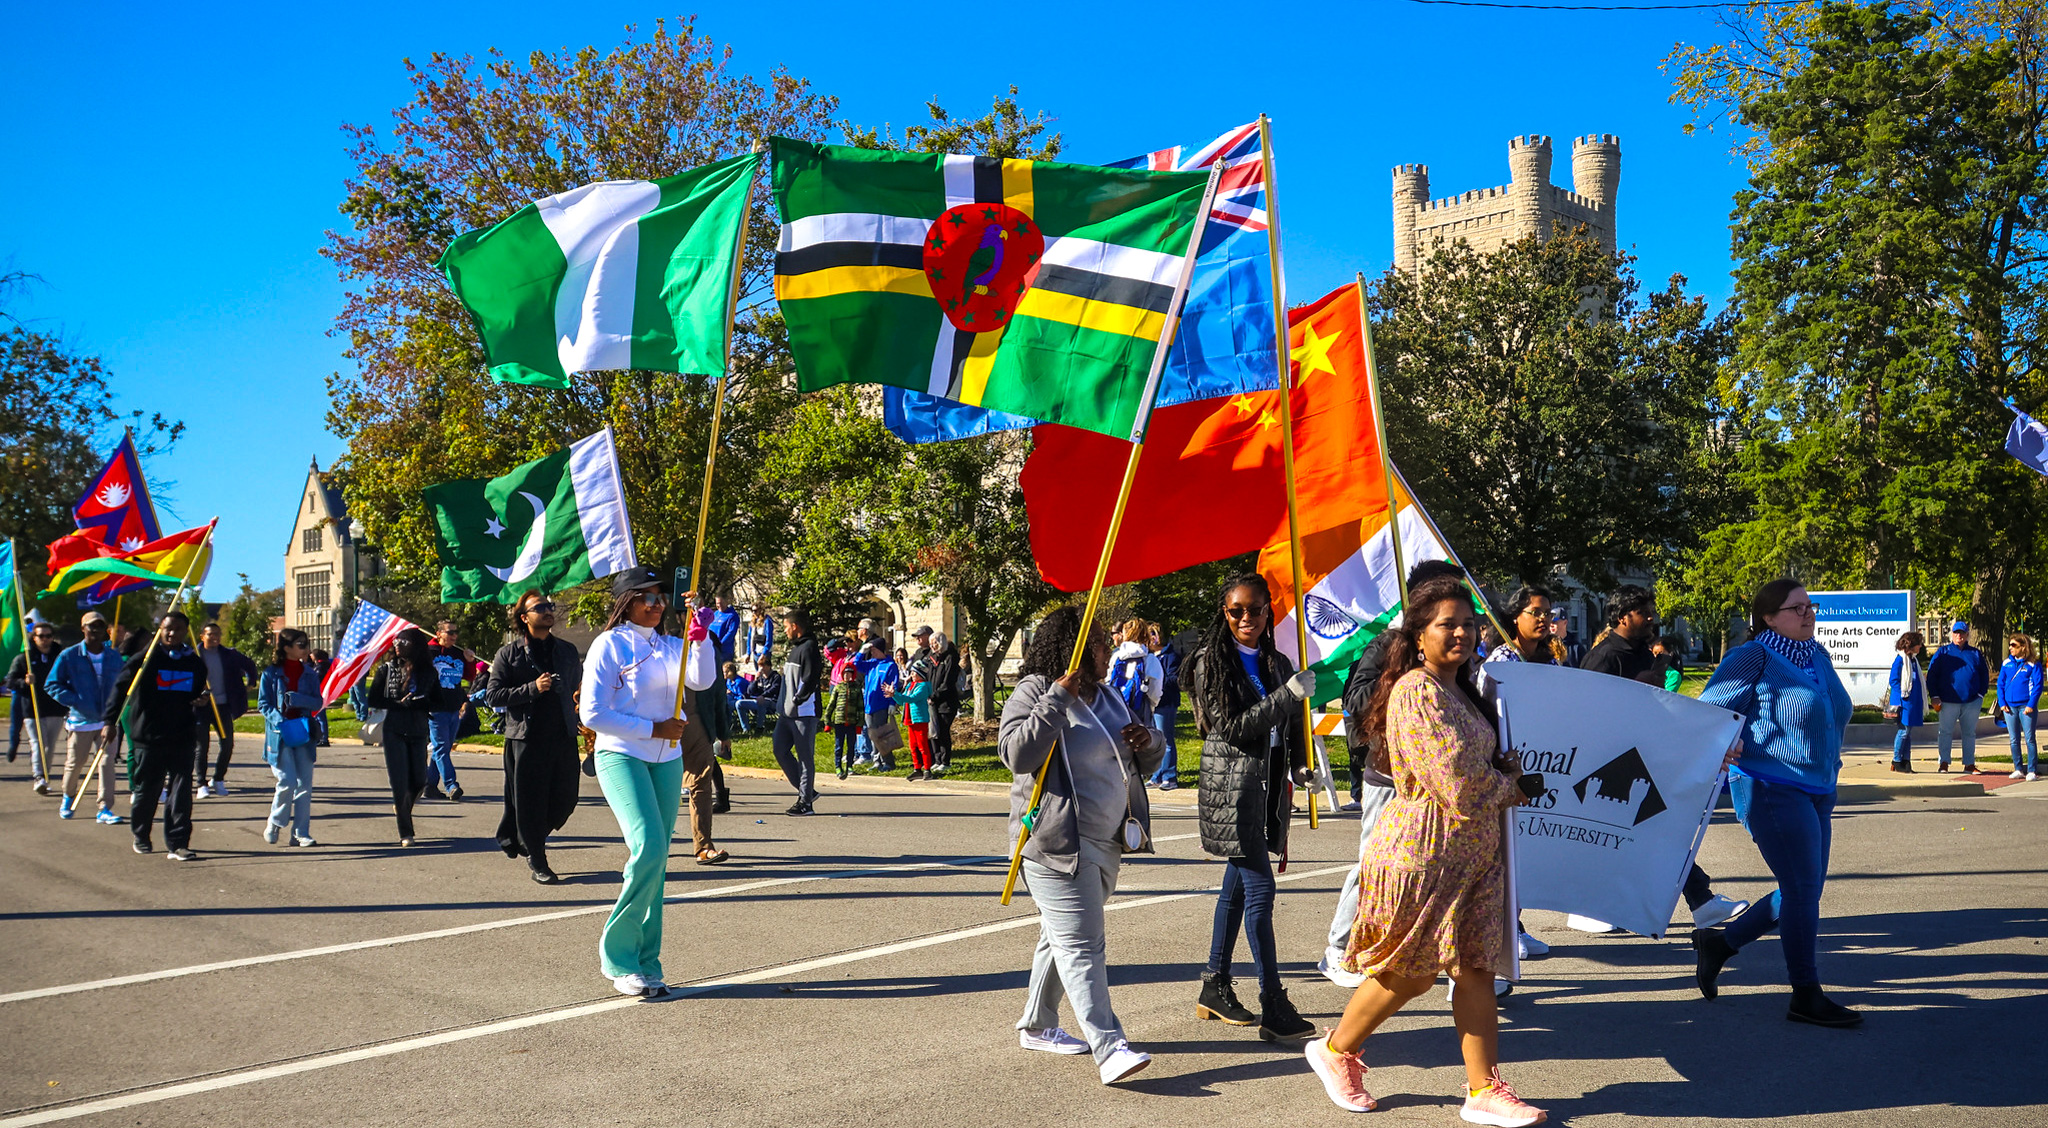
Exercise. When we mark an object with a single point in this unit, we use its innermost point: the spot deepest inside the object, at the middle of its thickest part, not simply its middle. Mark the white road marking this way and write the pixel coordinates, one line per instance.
(581, 1010)
(484, 926)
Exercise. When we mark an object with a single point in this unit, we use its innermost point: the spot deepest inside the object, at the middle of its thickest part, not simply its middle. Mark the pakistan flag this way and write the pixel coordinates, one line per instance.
(547, 525)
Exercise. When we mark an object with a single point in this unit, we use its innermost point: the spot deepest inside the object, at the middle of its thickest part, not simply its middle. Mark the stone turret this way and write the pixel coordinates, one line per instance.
(1529, 184)
(1596, 175)
(1411, 194)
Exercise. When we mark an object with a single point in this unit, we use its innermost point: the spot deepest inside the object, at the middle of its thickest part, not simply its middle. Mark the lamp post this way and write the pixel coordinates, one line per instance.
(356, 532)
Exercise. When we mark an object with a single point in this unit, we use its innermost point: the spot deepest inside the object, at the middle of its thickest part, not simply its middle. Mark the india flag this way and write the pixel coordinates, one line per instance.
(1354, 587)
(614, 275)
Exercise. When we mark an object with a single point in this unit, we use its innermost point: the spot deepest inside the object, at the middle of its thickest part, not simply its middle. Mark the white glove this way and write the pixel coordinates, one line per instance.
(1303, 684)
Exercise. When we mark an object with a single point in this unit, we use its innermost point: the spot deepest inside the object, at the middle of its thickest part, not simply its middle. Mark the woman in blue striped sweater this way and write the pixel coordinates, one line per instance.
(1783, 785)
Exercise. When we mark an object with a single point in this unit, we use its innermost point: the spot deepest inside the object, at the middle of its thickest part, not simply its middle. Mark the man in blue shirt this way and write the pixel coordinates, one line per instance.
(725, 631)
(1956, 681)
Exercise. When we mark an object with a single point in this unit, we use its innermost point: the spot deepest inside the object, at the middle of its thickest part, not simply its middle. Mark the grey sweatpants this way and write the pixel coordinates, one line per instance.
(795, 744)
(1072, 959)
(1372, 799)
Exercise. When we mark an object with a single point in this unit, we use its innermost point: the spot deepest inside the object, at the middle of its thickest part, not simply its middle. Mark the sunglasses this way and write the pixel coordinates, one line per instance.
(544, 606)
(1245, 612)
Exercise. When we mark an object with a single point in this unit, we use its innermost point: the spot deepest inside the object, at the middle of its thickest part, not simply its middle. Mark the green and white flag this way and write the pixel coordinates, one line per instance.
(13, 632)
(614, 275)
(547, 525)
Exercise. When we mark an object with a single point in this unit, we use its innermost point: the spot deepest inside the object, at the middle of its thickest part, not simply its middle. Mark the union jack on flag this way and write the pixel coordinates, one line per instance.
(1241, 191)
(370, 631)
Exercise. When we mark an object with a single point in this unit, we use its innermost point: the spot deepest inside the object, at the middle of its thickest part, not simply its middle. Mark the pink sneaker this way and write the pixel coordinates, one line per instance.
(1343, 1076)
(1498, 1105)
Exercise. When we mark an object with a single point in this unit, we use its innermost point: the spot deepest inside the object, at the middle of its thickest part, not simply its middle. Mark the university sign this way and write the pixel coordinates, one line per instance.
(1861, 630)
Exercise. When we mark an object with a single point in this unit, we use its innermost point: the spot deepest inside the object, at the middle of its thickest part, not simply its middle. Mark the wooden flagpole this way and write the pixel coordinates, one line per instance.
(732, 304)
(1282, 358)
(1379, 428)
(35, 701)
(1123, 497)
(155, 633)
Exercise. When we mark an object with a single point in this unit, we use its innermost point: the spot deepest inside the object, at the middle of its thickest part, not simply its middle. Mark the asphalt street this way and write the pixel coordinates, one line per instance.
(855, 968)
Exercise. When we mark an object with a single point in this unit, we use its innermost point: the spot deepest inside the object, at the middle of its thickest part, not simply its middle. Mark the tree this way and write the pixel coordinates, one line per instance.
(245, 621)
(874, 511)
(1546, 415)
(476, 143)
(1890, 267)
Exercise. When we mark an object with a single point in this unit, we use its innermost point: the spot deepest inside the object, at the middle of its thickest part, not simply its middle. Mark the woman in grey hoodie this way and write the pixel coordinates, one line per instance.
(1093, 811)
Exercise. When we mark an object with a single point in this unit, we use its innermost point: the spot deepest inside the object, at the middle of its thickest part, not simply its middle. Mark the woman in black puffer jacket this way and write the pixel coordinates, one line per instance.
(1247, 703)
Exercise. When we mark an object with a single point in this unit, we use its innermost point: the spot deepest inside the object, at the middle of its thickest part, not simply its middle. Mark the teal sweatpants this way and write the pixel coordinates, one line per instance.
(644, 797)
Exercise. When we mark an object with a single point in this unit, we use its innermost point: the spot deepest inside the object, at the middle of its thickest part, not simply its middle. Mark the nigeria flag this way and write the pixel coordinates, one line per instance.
(614, 275)
(547, 525)
(1033, 287)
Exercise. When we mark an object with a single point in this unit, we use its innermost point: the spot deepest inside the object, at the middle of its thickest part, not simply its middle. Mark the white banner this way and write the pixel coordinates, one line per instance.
(1630, 773)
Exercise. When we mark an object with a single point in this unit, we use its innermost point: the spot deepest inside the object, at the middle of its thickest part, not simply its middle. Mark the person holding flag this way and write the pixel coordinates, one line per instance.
(168, 685)
(1247, 700)
(82, 680)
(41, 715)
(647, 750)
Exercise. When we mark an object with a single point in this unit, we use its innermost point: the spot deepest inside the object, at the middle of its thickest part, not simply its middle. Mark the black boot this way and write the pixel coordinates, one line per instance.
(1714, 950)
(1809, 1005)
(1280, 1022)
(1219, 1000)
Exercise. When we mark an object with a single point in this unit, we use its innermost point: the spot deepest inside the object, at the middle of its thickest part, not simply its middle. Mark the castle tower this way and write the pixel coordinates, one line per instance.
(1529, 185)
(1411, 194)
(1596, 175)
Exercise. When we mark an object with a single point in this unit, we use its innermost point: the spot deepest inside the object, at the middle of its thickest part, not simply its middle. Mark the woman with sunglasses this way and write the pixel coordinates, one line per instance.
(1795, 715)
(2019, 692)
(648, 750)
(533, 683)
(1247, 701)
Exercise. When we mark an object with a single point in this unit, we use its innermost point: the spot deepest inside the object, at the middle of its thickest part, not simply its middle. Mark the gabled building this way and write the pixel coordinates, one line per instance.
(320, 563)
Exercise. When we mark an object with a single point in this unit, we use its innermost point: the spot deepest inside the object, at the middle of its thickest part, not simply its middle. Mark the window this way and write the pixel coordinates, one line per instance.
(310, 539)
(314, 605)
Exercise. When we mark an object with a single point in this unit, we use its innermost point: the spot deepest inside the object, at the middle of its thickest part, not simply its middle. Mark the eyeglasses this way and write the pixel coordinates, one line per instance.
(1245, 612)
(1801, 609)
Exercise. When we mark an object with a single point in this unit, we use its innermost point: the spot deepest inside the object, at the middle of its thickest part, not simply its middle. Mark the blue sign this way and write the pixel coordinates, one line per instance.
(1866, 606)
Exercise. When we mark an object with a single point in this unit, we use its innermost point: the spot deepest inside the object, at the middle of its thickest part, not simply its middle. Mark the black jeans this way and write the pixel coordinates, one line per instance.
(943, 716)
(1246, 897)
(405, 762)
(203, 733)
(542, 784)
(158, 768)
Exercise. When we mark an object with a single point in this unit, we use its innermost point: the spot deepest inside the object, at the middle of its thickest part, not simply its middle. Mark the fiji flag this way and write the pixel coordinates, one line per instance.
(2028, 439)
(1225, 342)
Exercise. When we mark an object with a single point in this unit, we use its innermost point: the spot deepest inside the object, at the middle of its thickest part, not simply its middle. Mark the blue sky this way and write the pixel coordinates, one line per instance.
(173, 167)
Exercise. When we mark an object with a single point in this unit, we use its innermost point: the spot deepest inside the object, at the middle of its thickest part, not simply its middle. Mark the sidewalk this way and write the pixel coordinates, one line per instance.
(1867, 777)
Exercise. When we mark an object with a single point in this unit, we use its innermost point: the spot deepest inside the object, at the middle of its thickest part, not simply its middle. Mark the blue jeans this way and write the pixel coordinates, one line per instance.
(1902, 745)
(2019, 726)
(292, 805)
(1169, 765)
(1246, 897)
(1954, 715)
(441, 750)
(1793, 833)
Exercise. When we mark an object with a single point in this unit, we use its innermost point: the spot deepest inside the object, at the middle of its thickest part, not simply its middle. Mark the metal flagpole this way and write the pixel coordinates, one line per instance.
(156, 633)
(732, 302)
(1123, 497)
(1379, 428)
(35, 701)
(1282, 359)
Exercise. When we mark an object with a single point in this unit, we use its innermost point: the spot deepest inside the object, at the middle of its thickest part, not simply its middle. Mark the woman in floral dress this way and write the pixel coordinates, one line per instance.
(1432, 883)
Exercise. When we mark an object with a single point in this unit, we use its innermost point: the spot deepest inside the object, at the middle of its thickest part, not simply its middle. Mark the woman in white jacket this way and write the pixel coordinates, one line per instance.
(629, 699)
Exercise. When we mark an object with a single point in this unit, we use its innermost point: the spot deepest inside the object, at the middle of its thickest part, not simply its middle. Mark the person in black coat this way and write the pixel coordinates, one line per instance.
(168, 683)
(408, 688)
(1247, 702)
(533, 682)
(34, 709)
(945, 700)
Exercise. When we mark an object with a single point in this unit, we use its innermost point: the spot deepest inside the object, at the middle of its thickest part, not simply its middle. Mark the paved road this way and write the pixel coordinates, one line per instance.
(855, 968)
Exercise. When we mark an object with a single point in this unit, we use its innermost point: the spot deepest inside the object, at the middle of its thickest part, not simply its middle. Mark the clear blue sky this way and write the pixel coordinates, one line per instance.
(172, 171)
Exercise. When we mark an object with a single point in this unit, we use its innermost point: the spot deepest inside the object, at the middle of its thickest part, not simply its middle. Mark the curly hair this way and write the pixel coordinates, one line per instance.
(1404, 653)
(1052, 646)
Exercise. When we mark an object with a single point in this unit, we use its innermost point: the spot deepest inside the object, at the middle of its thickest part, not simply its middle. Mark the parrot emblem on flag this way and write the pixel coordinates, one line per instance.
(981, 259)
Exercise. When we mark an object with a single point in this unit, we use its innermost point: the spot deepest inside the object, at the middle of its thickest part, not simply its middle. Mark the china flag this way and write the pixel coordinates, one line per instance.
(1210, 482)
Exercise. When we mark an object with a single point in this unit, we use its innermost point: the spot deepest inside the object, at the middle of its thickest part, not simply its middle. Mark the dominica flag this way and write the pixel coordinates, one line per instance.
(1032, 287)
(541, 526)
(613, 275)
(1354, 588)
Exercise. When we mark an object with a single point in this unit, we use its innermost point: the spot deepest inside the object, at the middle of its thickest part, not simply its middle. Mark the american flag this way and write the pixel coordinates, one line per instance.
(370, 631)
(1240, 193)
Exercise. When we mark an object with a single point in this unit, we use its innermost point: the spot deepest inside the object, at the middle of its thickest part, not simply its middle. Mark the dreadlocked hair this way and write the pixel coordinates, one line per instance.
(1404, 653)
(1217, 677)
(1052, 647)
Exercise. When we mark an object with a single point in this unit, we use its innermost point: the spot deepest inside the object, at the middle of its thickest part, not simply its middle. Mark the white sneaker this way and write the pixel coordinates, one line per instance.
(271, 831)
(2017, 774)
(1051, 1040)
(1531, 947)
(1349, 980)
(635, 984)
(1123, 1062)
(2031, 777)
(1587, 924)
(656, 988)
(1716, 911)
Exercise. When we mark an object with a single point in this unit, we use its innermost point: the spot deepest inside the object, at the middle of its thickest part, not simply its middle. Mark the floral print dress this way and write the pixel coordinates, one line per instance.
(1432, 892)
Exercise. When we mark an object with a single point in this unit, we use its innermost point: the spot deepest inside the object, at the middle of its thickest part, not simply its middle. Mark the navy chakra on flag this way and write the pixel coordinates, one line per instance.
(980, 259)
(1327, 620)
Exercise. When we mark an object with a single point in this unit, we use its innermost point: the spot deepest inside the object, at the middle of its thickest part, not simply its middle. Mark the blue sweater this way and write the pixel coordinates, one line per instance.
(1958, 674)
(1794, 722)
(1911, 704)
(2019, 684)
